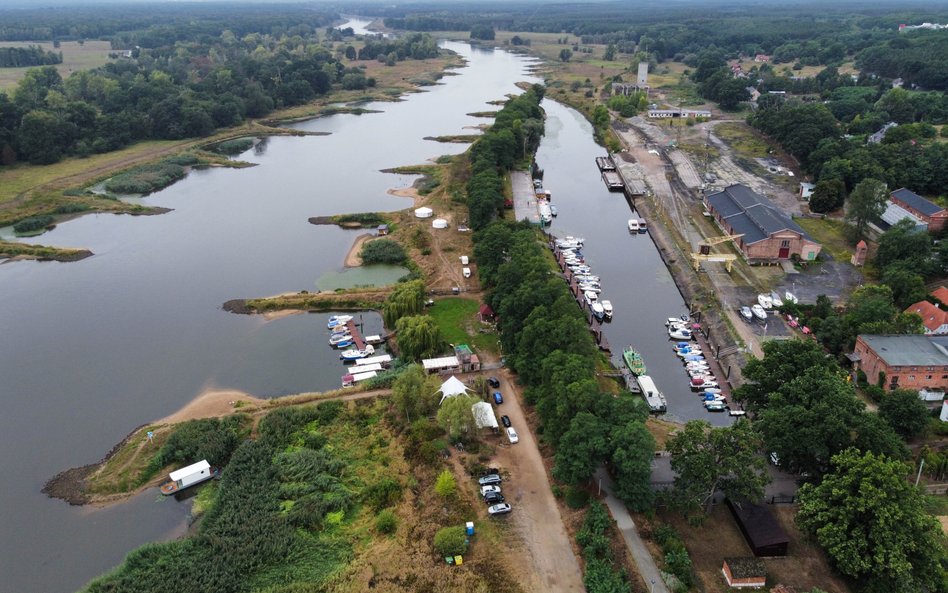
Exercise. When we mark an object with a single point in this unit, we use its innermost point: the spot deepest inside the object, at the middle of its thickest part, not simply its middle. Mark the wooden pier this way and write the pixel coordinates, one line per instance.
(356, 334)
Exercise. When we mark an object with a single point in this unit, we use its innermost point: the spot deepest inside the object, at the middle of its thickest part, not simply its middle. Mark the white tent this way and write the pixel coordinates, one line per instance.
(439, 223)
(451, 387)
(484, 415)
(424, 212)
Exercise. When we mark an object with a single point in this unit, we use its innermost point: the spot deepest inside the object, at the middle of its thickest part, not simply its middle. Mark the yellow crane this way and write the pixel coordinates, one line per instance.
(704, 252)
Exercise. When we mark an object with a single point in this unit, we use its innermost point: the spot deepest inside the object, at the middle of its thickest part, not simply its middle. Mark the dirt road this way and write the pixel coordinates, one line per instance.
(535, 515)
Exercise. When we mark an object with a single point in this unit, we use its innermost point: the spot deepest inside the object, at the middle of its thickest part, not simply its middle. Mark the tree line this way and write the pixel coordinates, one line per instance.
(174, 91)
(34, 55)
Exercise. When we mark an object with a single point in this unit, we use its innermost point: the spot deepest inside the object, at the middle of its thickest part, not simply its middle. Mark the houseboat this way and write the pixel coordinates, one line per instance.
(188, 476)
(653, 397)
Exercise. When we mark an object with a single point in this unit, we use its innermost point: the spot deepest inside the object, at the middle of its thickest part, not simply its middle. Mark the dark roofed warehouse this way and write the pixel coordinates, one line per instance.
(763, 533)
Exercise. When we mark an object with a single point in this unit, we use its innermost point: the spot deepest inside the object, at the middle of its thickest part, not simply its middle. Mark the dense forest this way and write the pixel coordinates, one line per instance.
(183, 84)
(18, 57)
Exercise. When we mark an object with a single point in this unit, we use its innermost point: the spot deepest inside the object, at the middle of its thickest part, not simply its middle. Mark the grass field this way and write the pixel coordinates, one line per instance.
(457, 318)
(743, 139)
(91, 54)
(830, 234)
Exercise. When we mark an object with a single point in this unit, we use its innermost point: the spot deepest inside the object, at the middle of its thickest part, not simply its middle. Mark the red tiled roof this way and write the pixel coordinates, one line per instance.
(932, 316)
(941, 294)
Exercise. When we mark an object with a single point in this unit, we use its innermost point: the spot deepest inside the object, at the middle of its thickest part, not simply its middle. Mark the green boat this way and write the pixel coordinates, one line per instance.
(634, 361)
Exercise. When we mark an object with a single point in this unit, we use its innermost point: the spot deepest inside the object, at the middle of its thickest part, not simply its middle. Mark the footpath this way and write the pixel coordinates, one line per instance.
(643, 560)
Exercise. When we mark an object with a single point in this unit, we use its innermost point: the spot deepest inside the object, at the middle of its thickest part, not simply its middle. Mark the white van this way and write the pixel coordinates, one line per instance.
(466, 272)
(464, 260)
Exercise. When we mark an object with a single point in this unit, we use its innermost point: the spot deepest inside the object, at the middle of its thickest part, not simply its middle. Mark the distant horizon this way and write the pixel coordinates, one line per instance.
(361, 4)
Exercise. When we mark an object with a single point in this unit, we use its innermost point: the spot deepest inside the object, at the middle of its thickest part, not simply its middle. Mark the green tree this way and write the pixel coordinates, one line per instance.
(903, 243)
(580, 450)
(414, 394)
(450, 541)
(565, 55)
(711, 460)
(866, 203)
(418, 337)
(908, 287)
(828, 195)
(610, 53)
(904, 412)
(873, 525)
(632, 451)
(445, 485)
(408, 298)
(482, 31)
(455, 415)
(783, 361)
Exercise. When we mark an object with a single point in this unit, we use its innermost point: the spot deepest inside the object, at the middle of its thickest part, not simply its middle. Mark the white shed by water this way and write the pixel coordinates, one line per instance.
(424, 212)
(187, 476)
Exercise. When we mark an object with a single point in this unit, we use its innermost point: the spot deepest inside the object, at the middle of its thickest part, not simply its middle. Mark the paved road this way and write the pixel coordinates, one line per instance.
(524, 197)
(643, 560)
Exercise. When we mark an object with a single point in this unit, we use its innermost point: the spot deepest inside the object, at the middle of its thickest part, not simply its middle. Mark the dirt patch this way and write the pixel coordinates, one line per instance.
(214, 403)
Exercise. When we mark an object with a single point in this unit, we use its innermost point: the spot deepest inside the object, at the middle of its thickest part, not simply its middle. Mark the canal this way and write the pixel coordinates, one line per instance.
(94, 348)
(633, 275)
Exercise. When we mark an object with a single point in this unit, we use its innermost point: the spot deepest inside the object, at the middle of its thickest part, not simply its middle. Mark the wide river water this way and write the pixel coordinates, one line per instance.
(92, 349)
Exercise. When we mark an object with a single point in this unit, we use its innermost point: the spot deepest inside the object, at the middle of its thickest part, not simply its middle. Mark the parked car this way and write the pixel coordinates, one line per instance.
(499, 509)
(493, 382)
(505, 420)
(498, 398)
(490, 470)
(485, 490)
(512, 435)
(490, 479)
(494, 498)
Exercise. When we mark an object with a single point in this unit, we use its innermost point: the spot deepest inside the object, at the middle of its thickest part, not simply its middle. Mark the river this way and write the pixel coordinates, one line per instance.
(94, 348)
(634, 277)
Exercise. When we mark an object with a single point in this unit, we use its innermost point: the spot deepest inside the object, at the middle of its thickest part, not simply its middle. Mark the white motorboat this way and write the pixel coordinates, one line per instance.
(340, 329)
(790, 298)
(593, 288)
(714, 390)
(553, 210)
(597, 310)
(673, 321)
(643, 226)
(607, 308)
(746, 313)
(759, 312)
(590, 297)
(337, 320)
(587, 278)
(338, 338)
(680, 334)
(633, 225)
(765, 301)
(355, 353)
(686, 353)
(776, 300)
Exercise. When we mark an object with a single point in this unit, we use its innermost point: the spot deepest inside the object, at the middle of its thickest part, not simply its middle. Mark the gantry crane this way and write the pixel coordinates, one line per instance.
(704, 252)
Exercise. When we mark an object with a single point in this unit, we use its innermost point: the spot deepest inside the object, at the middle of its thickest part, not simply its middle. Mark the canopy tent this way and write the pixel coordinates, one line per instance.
(439, 223)
(424, 212)
(450, 388)
(484, 415)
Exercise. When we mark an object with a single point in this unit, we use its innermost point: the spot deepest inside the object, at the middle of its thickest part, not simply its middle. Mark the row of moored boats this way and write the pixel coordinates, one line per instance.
(340, 330)
(701, 378)
(570, 249)
(766, 302)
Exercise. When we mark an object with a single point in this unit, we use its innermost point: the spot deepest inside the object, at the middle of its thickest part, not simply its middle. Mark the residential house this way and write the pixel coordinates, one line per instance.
(761, 58)
(933, 215)
(913, 362)
(934, 317)
(767, 234)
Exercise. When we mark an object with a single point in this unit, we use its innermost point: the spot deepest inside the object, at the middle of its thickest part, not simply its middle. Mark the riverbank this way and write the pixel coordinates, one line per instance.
(340, 300)
(353, 259)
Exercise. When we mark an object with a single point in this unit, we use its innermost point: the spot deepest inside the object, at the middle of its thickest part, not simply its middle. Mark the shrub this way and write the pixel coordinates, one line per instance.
(386, 522)
(450, 541)
(382, 494)
(146, 179)
(366, 219)
(33, 223)
(446, 485)
(235, 146)
(214, 439)
(576, 498)
(382, 251)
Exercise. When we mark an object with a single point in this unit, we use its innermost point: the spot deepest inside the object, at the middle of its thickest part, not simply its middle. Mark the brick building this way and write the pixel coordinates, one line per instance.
(906, 361)
(768, 234)
(932, 215)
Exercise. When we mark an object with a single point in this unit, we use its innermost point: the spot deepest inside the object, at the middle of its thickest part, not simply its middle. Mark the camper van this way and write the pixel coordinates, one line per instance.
(464, 260)
(466, 272)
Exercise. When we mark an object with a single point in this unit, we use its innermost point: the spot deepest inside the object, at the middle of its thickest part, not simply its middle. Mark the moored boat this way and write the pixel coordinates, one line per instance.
(337, 320)
(336, 339)
(633, 225)
(765, 301)
(680, 334)
(634, 361)
(746, 313)
(643, 226)
(759, 312)
(597, 310)
(607, 307)
(355, 353)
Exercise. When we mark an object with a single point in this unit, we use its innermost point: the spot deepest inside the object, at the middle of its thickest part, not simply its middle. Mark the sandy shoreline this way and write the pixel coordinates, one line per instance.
(212, 403)
(407, 192)
(352, 258)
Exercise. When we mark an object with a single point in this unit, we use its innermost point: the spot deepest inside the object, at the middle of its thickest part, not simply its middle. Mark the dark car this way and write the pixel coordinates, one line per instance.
(498, 398)
(493, 382)
(493, 498)
(505, 420)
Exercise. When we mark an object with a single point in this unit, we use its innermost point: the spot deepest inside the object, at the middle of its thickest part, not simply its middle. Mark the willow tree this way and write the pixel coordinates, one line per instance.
(418, 337)
(456, 415)
(408, 298)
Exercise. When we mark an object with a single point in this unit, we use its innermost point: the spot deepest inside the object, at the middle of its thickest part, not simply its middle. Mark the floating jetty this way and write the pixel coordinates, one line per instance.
(605, 163)
(613, 180)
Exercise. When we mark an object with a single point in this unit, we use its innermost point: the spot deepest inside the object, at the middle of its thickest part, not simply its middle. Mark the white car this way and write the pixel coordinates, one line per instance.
(512, 435)
(499, 509)
(485, 490)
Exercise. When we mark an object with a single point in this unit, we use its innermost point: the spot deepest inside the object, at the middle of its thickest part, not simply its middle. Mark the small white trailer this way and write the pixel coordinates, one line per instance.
(187, 476)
